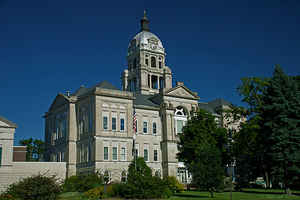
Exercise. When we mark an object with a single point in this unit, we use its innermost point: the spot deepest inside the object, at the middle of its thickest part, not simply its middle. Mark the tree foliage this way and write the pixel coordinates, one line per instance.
(281, 126)
(35, 149)
(198, 149)
(270, 137)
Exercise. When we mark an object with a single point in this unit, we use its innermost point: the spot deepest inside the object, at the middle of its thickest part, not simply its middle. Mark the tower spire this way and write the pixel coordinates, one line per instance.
(145, 23)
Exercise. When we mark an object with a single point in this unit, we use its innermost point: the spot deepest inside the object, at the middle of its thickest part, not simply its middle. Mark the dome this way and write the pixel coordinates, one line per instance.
(146, 40)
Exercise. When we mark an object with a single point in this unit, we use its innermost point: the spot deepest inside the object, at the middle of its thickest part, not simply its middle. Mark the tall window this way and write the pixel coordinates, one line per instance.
(146, 154)
(105, 153)
(179, 125)
(105, 124)
(180, 119)
(122, 124)
(153, 62)
(115, 153)
(155, 155)
(145, 129)
(123, 153)
(113, 123)
(154, 128)
(160, 64)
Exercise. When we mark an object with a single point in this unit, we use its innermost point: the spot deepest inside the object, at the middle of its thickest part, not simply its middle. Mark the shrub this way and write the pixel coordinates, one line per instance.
(174, 185)
(6, 196)
(100, 192)
(82, 183)
(36, 187)
(141, 184)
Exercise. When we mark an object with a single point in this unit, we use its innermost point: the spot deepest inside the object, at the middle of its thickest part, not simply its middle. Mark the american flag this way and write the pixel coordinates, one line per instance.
(134, 121)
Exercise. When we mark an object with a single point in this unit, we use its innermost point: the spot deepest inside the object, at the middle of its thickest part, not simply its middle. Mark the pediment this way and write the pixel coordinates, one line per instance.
(6, 123)
(181, 92)
(59, 100)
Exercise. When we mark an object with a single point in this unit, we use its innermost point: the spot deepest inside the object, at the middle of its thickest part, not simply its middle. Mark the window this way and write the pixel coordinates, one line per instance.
(153, 62)
(159, 64)
(105, 153)
(123, 177)
(155, 155)
(157, 173)
(113, 123)
(146, 61)
(154, 128)
(123, 153)
(122, 126)
(115, 153)
(106, 176)
(145, 127)
(179, 125)
(146, 154)
(0, 156)
(161, 82)
(105, 124)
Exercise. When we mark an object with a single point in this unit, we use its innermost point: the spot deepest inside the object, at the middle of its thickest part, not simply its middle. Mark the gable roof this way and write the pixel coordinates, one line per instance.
(10, 123)
(186, 92)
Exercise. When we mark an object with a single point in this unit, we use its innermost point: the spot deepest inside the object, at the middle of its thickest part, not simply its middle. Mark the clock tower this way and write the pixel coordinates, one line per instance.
(147, 72)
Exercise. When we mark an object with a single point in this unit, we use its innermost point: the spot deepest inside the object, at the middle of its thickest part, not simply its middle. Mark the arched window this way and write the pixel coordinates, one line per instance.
(180, 119)
(153, 62)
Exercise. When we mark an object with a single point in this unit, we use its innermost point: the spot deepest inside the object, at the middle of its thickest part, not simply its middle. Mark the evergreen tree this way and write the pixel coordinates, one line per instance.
(281, 126)
(199, 151)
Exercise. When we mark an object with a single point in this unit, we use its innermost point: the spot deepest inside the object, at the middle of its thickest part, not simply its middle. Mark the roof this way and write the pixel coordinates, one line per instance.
(144, 100)
(103, 84)
(212, 106)
(10, 123)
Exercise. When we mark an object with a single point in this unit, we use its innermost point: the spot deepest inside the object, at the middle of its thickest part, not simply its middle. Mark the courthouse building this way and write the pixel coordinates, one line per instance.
(92, 129)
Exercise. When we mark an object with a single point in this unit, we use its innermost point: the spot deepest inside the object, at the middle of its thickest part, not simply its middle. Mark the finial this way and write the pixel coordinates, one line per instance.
(145, 23)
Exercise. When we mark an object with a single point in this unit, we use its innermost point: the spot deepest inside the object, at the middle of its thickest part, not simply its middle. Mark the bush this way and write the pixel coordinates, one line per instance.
(36, 187)
(100, 192)
(174, 185)
(6, 196)
(141, 184)
(82, 183)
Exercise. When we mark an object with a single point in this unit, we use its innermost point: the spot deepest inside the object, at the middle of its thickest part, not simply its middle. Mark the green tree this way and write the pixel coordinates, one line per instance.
(35, 149)
(198, 150)
(281, 126)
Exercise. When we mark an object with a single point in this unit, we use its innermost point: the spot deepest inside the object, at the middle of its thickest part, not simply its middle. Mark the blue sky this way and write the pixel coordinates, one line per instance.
(51, 46)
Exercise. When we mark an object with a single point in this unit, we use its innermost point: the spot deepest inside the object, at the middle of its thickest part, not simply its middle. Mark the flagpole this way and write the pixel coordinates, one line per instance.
(134, 137)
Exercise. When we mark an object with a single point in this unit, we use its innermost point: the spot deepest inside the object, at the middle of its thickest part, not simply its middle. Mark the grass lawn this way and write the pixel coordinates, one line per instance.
(257, 194)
